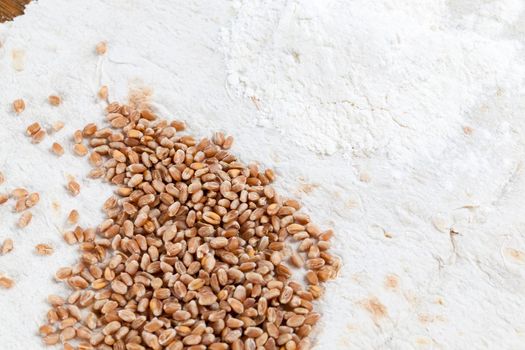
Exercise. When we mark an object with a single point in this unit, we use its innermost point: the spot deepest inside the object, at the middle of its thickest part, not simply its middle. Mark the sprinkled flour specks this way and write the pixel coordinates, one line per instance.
(398, 123)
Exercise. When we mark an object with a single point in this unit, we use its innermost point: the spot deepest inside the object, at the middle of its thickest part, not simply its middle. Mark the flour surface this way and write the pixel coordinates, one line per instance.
(399, 123)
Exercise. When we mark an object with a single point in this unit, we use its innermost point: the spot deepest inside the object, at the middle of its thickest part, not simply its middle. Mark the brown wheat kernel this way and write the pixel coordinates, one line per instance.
(3, 198)
(32, 200)
(73, 216)
(77, 136)
(95, 159)
(19, 193)
(211, 218)
(96, 173)
(89, 130)
(270, 174)
(101, 48)
(73, 187)
(19, 106)
(119, 122)
(78, 282)
(103, 93)
(44, 249)
(38, 136)
(80, 150)
(2, 178)
(6, 282)
(54, 100)
(67, 334)
(25, 219)
(57, 149)
(68, 322)
(33, 129)
(63, 273)
(20, 205)
(296, 260)
(7, 246)
(56, 300)
(46, 329)
(218, 138)
(228, 142)
(51, 339)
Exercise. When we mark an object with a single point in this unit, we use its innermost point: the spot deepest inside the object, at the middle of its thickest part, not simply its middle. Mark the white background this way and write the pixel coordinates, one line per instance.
(361, 108)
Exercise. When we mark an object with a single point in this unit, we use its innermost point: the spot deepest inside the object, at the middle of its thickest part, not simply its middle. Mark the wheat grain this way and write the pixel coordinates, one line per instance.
(80, 149)
(25, 219)
(73, 216)
(19, 106)
(57, 149)
(6, 282)
(33, 129)
(194, 252)
(101, 48)
(7, 246)
(44, 249)
(73, 187)
(38, 136)
(54, 100)
(103, 93)
(32, 199)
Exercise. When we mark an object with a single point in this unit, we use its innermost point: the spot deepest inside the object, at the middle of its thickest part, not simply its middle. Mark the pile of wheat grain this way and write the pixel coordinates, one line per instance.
(195, 252)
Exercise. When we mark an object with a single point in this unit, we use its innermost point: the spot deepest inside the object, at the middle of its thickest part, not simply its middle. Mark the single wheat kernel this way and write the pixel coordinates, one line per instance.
(101, 48)
(51, 339)
(296, 260)
(63, 273)
(77, 136)
(7, 246)
(33, 129)
(89, 130)
(67, 334)
(218, 138)
(270, 174)
(32, 200)
(19, 106)
(228, 142)
(20, 205)
(38, 136)
(57, 149)
(73, 187)
(78, 282)
(46, 329)
(3, 198)
(19, 193)
(2, 178)
(73, 216)
(25, 219)
(103, 93)
(6, 282)
(70, 238)
(44, 249)
(54, 100)
(80, 150)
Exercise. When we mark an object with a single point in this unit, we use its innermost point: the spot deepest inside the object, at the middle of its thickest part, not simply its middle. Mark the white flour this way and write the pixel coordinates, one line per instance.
(392, 121)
